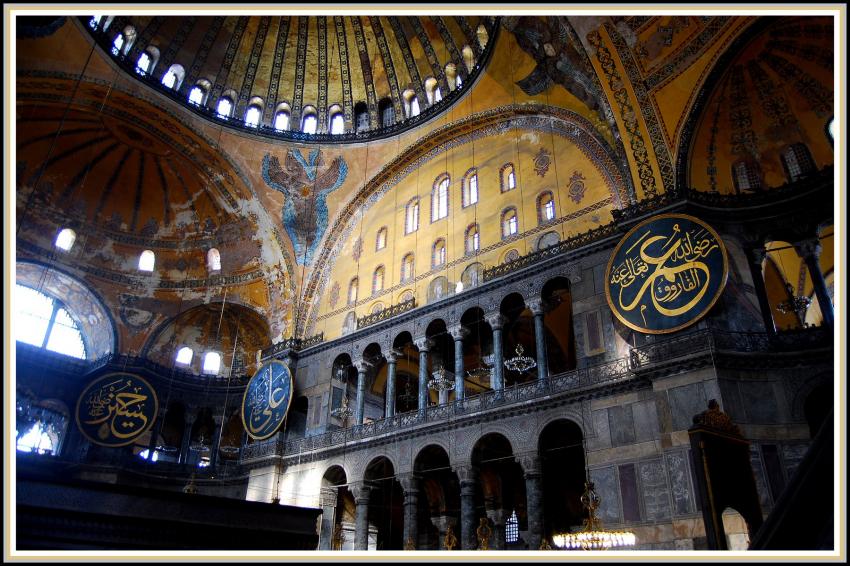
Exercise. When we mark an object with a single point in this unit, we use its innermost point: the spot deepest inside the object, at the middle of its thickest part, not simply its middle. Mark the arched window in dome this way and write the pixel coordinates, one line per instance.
(510, 222)
(118, 44)
(147, 60)
(411, 103)
(746, 176)
(173, 77)
(440, 198)
(378, 279)
(309, 120)
(213, 260)
(184, 356)
(432, 90)
(124, 41)
(408, 263)
(452, 76)
(387, 112)
(224, 108)
(470, 187)
(381, 239)
(252, 117)
(46, 322)
(337, 120)
(361, 117)
(438, 255)
(468, 58)
(830, 129)
(797, 161)
(281, 117)
(411, 216)
(146, 261)
(545, 207)
(198, 93)
(473, 239)
(507, 177)
(483, 36)
(352, 290)
(458, 82)
(212, 363)
(65, 239)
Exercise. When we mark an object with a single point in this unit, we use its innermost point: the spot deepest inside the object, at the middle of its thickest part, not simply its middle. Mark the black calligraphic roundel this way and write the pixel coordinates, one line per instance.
(116, 409)
(666, 273)
(266, 400)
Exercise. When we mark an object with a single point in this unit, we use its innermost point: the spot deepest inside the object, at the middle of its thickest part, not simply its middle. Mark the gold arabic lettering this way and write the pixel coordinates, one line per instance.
(120, 409)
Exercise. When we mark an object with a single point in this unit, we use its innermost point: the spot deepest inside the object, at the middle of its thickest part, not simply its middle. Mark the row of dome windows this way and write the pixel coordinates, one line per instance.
(211, 364)
(199, 93)
(66, 238)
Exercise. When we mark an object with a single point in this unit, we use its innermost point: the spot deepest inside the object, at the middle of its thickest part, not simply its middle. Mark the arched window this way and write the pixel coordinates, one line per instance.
(510, 222)
(470, 187)
(407, 267)
(198, 94)
(173, 77)
(507, 177)
(381, 239)
(512, 528)
(281, 117)
(252, 117)
(45, 322)
(95, 21)
(440, 198)
(411, 103)
(337, 121)
(65, 239)
(458, 82)
(212, 363)
(352, 290)
(438, 255)
(411, 216)
(468, 57)
(483, 36)
(118, 44)
(143, 65)
(545, 207)
(830, 129)
(146, 261)
(797, 161)
(309, 121)
(432, 90)
(473, 239)
(361, 117)
(452, 76)
(746, 176)
(378, 279)
(224, 108)
(387, 112)
(184, 356)
(213, 260)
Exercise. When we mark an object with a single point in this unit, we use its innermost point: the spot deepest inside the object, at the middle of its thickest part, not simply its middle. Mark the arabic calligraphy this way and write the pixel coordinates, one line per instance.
(116, 409)
(666, 273)
(266, 400)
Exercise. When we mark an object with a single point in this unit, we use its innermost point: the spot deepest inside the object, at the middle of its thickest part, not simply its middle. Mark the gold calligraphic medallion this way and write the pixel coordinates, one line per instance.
(266, 400)
(116, 409)
(666, 273)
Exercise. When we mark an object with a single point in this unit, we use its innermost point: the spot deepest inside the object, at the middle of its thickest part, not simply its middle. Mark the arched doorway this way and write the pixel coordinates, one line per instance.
(337, 530)
(439, 502)
(558, 325)
(386, 506)
(562, 460)
(501, 487)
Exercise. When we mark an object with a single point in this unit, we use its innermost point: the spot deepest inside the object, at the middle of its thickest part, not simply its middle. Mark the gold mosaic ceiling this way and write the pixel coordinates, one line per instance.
(317, 61)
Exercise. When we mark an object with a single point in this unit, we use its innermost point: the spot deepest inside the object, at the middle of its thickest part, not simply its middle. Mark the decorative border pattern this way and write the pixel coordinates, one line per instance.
(145, 37)
(392, 79)
(224, 71)
(345, 70)
(439, 72)
(412, 70)
(277, 66)
(449, 42)
(204, 50)
(253, 63)
(366, 67)
(470, 35)
(322, 30)
(810, 90)
(300, 62)
(688, 54)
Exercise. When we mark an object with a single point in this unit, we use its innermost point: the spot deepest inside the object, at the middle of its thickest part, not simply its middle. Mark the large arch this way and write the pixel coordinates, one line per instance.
(561, 451)
(439, 501)
(386, 504)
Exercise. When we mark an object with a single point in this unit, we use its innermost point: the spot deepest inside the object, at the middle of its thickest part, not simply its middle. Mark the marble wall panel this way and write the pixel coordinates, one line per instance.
(685, 402)
(605, 481)
(656, 494)
(622, 425)
(629, 491)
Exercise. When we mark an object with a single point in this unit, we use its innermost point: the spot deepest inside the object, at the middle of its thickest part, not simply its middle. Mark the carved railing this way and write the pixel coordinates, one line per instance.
(390, 312)
(104, 39)
(569, 244)
(292, 344)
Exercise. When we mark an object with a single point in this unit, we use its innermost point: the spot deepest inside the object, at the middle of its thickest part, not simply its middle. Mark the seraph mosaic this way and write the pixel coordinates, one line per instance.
(306, 185)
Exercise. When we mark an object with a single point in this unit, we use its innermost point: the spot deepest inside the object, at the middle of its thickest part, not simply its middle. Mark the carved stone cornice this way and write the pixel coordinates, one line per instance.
(716, 419)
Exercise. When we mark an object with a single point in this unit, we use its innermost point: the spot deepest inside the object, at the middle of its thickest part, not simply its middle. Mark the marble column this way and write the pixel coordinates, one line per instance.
(496, 321)
(442, 524)
(424, 345)
(362, 366)
(361, 494)
(216, 439)
(389, 404)
(498, 518)
(755, 257)
(410, 487)
(188, 420)
(467, 476)
(458, 332)
(328, 499)
(536, 306)
(810, 250)
(533, 473)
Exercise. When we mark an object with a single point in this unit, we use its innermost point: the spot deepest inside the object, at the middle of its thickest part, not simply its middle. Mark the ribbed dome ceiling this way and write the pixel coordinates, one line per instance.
(296, 62)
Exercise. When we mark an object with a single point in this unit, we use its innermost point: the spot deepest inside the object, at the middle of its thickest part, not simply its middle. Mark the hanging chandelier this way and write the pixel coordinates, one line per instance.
(439, 381)
(344, 410)
(593, 536)
(795, 304)
(480, 373)
(199, 445)
(520, 362)
(408, 398)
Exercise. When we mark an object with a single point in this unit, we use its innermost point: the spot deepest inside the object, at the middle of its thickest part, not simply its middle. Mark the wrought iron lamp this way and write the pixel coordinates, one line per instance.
(795, 304)
(439, 381)
(344, 410)
(520, 362)
(593, 536)
(408, 398)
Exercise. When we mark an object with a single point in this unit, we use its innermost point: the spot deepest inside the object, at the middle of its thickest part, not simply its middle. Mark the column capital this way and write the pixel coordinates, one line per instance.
(536, 305)
(808, 247)
(424, 344)
(496, 320)
(361, 492)
(531, 464)
(458, 331)
(466, 473)
(409, 483)
(393, 355)
(361, 365)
